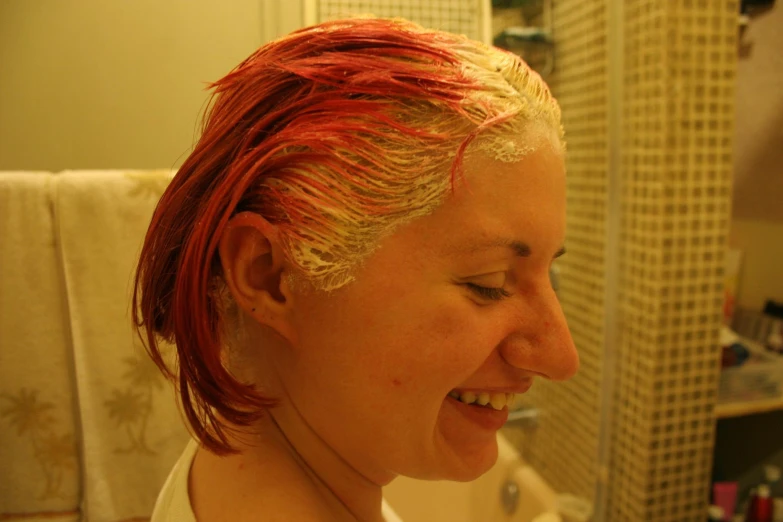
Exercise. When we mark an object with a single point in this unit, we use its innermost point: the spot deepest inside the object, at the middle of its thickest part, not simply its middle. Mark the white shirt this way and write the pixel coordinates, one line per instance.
(173, 503)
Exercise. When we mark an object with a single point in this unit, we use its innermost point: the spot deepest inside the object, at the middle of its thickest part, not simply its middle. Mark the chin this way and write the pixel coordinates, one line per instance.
(460, 464)
(471, 460)
(474, 465)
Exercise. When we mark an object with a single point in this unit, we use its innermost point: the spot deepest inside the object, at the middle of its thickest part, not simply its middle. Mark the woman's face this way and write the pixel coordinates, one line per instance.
(459, 300)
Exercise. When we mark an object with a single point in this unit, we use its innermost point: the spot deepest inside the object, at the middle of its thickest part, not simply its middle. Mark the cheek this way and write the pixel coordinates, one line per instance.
(399, 337)
(410, 342)
(454, 339)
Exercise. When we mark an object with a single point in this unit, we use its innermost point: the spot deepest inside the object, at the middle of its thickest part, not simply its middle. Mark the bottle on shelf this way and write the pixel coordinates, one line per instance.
(760, 506)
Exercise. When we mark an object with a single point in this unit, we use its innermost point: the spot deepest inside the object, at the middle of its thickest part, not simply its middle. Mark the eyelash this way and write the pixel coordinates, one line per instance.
(493, 294)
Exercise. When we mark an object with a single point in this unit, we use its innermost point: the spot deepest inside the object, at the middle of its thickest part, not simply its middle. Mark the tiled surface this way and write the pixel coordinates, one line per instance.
(676, 125)
(564, 446)
(456, 16)
(678, 110)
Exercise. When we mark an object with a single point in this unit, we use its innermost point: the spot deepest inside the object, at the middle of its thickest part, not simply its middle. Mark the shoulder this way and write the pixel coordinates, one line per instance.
(240, 488)
(173, 502)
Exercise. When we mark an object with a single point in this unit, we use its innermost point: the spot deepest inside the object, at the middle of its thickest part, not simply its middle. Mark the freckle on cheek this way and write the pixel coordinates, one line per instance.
(396, 382)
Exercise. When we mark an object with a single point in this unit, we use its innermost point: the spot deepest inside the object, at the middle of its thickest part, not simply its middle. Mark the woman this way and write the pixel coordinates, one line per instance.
(353, 265)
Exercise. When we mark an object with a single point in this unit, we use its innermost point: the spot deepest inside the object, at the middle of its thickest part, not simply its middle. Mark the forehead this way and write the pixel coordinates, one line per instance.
(522, 200)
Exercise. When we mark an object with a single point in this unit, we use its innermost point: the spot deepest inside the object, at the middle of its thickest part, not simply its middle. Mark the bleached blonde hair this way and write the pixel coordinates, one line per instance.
(336, 134)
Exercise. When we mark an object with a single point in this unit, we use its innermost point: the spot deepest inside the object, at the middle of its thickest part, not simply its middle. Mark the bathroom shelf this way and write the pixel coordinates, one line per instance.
(739, 409)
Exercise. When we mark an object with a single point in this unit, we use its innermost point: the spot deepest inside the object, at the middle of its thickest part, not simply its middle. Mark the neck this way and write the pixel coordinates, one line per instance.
(283, 437)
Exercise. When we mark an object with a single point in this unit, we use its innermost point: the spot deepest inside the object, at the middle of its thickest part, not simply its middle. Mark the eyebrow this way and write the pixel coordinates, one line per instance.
(519, 248)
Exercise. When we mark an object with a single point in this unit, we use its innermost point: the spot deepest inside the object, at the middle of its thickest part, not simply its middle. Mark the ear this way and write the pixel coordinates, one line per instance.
(254, 268)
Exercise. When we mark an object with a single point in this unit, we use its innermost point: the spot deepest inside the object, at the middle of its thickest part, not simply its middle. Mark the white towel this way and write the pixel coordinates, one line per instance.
(39, 465)
(132, 431)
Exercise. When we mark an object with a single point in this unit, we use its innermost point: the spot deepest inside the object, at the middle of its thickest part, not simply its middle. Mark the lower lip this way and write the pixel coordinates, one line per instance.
(487, 418)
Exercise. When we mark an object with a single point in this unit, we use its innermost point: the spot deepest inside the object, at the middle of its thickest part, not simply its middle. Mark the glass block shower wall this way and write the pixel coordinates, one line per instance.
(678, 119)
(563, 446)
(457, 16)
(652, 343)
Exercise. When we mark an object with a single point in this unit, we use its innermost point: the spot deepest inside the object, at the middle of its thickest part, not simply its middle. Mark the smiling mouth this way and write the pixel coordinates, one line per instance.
(494, 400)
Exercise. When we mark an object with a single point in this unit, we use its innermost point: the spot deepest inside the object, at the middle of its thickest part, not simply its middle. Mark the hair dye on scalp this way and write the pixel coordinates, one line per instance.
(336, 134)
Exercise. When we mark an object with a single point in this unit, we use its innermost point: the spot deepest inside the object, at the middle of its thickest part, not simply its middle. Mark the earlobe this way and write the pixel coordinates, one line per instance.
(255, 270)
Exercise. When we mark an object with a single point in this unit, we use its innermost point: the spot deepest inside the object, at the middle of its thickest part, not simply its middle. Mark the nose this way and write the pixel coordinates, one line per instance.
(541, 341)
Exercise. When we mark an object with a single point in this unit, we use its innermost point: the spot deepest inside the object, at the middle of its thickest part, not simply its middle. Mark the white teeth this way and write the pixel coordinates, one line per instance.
(496, 401)
(468, 397)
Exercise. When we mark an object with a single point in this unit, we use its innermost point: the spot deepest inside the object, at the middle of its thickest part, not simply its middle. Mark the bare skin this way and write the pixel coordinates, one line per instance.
(363, 373)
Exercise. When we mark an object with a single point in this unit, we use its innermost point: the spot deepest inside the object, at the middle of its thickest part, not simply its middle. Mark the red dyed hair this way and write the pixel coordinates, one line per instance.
(332, 117)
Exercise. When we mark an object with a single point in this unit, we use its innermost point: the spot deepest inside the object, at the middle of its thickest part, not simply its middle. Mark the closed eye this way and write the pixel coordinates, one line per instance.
(486, 292)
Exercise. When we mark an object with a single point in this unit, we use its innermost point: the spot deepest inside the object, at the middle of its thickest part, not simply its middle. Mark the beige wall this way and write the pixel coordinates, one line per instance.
(761, 273)
(758, 167)
(112, 84)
